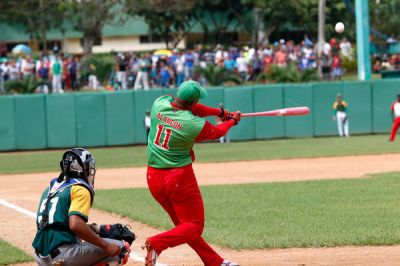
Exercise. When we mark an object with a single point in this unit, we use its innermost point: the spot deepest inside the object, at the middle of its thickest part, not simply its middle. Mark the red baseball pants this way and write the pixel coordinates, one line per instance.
(395, 126)
(177, 191)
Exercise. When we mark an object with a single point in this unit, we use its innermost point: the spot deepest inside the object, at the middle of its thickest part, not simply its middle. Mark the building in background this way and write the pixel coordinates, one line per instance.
(132, 36)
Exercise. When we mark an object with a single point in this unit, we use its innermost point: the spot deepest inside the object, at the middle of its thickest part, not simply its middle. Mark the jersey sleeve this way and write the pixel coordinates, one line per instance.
(203, 110)
(210, 132)
(80, 202)
(335, 109)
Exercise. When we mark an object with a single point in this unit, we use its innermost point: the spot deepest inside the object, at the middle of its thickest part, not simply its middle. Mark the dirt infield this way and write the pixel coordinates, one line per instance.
(24, 191)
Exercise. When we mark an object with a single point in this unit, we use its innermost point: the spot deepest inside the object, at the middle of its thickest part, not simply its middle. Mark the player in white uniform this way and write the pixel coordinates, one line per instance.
(340, 107)
(395, 111)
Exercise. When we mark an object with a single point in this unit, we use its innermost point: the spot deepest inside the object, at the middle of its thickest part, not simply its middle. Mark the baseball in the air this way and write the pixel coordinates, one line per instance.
(339, 27)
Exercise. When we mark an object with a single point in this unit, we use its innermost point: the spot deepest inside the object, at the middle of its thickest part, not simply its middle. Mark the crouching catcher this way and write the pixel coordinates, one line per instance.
(63, 236)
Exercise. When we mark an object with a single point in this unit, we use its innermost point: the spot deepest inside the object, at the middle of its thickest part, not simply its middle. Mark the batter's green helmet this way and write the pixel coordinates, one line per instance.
(191, 90)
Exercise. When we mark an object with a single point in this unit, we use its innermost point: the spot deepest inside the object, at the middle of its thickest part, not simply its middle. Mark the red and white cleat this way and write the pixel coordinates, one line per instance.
(151, 257)
(229, 263)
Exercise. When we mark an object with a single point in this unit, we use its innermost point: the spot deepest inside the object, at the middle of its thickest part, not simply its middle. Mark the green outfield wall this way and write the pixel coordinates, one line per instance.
(30, 122)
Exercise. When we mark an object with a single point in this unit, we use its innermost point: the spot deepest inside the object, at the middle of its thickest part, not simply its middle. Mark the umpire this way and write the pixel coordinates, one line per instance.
(62, 215)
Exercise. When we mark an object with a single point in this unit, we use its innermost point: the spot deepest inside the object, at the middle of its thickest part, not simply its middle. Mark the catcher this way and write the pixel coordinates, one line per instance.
(62, 215)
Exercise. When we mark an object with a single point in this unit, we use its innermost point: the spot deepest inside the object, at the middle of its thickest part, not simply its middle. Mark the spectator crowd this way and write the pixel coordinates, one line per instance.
(386, 63)
(247, 63)
(56, 73)
(168, 69)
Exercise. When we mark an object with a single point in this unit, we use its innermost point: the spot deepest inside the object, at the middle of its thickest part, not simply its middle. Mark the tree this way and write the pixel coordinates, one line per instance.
(220, 17)
(338, 11)
(290, 74)
(90, 16)
(170, 19)
(173, 19)
(276, 16)
(217, 75)
(38, 17)
(384, 18)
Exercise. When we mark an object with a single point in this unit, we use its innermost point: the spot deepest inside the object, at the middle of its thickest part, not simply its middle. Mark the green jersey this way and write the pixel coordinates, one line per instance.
(340, 106)
(143, 65)
(172, 134)
(57, 231)
(57, 68)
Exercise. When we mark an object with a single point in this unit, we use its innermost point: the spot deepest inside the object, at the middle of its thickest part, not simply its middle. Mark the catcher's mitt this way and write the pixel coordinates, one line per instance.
(116, 231)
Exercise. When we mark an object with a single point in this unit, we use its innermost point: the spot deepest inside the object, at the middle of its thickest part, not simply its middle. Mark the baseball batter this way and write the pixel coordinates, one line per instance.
(176, 124)
(62, 215)
(340, 115)
(395, 111)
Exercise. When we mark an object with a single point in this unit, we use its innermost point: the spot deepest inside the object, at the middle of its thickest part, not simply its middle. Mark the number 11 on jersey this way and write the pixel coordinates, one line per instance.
(167, 136)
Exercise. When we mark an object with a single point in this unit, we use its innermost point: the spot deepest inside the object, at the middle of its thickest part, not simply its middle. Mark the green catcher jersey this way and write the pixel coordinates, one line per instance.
(57, 232)
(172, 134)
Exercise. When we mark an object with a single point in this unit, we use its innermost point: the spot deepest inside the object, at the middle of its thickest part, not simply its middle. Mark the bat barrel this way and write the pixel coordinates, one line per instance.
(292, 111)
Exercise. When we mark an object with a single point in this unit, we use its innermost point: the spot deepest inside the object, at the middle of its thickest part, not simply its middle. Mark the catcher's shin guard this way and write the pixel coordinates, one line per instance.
(125, 252)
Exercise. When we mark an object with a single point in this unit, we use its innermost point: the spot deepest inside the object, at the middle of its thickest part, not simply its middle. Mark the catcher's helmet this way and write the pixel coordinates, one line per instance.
(79, 163)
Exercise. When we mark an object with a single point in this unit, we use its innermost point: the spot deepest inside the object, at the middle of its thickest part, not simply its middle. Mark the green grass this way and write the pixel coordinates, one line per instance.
(280, 215)
(12, 255)
(45, 161)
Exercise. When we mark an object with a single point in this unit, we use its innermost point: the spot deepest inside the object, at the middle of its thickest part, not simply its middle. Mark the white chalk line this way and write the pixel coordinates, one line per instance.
(17, 208)
(136, 257)
(133, 256)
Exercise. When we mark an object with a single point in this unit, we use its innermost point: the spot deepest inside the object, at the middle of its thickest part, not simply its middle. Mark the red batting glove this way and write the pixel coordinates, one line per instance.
(236, 116)
(224, 114)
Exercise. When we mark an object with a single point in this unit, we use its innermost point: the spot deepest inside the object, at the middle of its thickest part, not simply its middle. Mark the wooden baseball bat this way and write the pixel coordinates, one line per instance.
(302, 110)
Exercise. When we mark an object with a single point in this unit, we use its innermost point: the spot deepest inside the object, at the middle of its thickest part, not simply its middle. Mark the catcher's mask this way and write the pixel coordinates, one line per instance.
(79, 163)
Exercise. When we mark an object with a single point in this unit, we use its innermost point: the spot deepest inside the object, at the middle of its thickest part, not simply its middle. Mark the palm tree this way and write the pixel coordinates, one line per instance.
(291, 74)
(217, 75)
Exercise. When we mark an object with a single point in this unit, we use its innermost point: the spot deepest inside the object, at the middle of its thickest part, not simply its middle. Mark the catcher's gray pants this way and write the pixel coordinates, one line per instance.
(79, 254)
